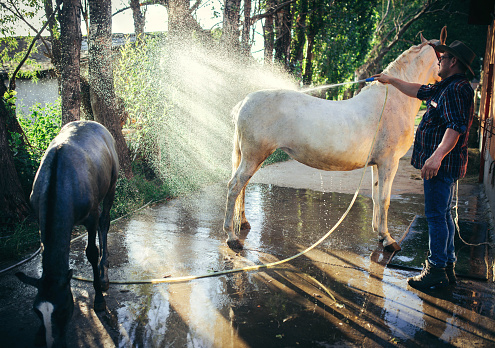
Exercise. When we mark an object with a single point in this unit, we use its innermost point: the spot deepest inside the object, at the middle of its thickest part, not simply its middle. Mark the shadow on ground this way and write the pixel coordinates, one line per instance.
(339, 294)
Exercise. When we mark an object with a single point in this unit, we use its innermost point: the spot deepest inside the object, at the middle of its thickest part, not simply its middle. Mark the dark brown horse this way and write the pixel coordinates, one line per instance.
(77, 173)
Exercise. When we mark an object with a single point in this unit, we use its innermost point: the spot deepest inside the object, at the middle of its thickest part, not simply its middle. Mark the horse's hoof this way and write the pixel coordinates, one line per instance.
(235, 245)
(393, 247)
(245, 226)
(100, 306)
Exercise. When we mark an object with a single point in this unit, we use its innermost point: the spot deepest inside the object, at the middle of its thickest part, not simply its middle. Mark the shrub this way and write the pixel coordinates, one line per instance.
(40, 127)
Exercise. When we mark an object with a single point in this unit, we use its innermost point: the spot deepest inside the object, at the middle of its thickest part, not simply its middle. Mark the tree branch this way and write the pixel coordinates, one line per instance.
(21, 63)
(145, 3)
(271, 11)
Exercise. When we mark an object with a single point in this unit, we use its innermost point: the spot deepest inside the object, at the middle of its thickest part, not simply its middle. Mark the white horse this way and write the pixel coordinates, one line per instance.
(331, 135)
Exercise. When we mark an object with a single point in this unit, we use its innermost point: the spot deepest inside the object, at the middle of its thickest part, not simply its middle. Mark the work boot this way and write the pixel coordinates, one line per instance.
(450, 270)
(429, 277)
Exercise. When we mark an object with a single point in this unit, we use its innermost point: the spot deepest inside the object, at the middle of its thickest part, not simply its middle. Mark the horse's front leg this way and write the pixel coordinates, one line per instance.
(92, 255)
(386, 174)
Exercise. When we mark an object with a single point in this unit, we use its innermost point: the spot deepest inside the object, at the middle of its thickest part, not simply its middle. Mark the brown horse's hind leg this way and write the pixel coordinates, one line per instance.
(92, 255)
(104, 225)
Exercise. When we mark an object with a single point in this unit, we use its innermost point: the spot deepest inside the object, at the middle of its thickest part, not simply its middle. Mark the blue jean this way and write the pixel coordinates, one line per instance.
(439, 192)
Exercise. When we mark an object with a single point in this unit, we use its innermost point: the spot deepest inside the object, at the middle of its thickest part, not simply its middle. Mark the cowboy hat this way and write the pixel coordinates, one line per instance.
(460, 51)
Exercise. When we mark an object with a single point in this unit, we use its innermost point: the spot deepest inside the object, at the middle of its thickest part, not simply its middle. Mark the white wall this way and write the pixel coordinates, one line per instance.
(30, 93)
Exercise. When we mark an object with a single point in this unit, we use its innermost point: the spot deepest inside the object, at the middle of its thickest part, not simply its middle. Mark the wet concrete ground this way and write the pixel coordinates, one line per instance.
(338, 294)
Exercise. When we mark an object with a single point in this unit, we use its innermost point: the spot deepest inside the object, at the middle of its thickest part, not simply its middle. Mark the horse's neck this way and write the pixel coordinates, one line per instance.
(409, 69)
(405, 68)
(56, 259)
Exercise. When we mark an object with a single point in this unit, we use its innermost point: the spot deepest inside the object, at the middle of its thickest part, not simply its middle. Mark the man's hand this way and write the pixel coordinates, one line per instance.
(431, 167)
(382, 78)
(432, 164)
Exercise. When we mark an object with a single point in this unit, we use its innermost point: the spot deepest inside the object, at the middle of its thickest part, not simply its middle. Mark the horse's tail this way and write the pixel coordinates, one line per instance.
(44, 190)
(236, 160)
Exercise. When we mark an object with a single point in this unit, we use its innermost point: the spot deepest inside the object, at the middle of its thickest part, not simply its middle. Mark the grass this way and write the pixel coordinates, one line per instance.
(277, 156)
(18, 240)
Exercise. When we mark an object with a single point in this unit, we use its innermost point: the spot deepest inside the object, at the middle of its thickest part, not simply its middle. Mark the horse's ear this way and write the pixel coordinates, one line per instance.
(423, 40)
(443, 35)
(28, 280)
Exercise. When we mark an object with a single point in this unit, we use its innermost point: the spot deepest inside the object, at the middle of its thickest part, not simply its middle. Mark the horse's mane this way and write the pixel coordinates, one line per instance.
(402, 61)
(399, 66)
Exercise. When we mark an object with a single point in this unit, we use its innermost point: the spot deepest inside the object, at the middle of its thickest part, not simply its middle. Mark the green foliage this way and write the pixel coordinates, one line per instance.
(134, 74)
(342, 43)
(278, 156)
(134, 193)
(41, 125)
(11, 55)
(346, 32)
(17, 240)
(9, 16)
(455, 17)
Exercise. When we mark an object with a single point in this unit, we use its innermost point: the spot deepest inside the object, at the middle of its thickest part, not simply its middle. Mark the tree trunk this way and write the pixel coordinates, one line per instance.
(182, 24)
(13, 203)
(269, 36)
(103, 99)
(138, 17)
(299, 39)
(70, 40)
(230, 34)
(308, 64)
(312, 30)
(245, 46)
(283, 25)
(56, 52)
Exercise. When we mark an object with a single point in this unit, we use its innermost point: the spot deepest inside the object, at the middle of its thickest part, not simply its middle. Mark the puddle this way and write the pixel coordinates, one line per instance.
(338, 294)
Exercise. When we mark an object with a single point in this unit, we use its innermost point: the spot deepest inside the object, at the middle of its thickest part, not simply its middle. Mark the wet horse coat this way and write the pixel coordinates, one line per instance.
(330, 135)
(78, 172)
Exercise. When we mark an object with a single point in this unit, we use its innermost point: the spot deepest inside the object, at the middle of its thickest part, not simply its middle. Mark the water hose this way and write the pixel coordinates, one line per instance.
(267, 265)
(369, 79)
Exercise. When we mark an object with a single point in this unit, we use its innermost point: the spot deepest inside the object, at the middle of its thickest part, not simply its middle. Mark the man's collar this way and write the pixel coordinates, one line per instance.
(453, 77)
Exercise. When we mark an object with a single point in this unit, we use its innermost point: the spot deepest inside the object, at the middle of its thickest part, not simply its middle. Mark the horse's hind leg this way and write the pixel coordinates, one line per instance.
(92, 255)
(104, 225)
(236, 185)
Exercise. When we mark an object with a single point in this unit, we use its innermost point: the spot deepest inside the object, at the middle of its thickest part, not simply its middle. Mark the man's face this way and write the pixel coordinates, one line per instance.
(445, 65)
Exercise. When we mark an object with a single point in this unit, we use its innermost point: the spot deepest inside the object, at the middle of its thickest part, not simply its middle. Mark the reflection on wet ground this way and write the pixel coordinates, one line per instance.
(338, 294)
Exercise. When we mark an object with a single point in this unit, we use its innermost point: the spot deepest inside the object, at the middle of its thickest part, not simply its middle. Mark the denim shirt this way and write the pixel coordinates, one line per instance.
(449, 105)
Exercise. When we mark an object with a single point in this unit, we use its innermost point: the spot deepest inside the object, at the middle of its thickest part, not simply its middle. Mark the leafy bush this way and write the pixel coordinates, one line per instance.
(41, 125)
(278, 156)
(136, 192)
(24, 238)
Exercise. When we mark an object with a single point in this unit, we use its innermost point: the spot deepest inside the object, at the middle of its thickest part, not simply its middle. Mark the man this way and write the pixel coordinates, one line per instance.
(440, 151)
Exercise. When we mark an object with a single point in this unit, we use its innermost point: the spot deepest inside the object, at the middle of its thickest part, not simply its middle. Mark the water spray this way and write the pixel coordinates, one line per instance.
(267, 265)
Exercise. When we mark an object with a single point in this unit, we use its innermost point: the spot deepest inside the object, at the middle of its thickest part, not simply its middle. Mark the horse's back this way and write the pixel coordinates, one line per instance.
(77, 170)
(320, 133)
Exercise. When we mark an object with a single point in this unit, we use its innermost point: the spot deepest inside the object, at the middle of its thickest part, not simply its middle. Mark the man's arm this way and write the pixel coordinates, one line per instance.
(432, 164)
(408, 88)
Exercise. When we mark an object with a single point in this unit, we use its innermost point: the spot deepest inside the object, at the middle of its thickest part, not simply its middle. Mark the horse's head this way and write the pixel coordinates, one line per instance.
(53, 305)
(432, 72)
